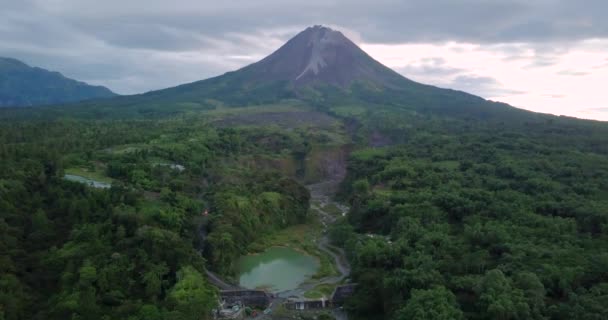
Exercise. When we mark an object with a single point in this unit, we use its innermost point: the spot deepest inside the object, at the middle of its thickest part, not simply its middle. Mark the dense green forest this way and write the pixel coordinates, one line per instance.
(451, 218)
(479, 220)
(460, 207)
(132, 251)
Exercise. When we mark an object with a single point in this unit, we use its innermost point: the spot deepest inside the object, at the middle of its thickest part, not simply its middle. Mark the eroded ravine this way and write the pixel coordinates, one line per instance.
(320, 199)
(328, 211)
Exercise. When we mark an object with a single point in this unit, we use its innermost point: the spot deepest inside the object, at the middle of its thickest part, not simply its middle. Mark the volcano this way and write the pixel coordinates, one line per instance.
(320, 55)
(319, 67)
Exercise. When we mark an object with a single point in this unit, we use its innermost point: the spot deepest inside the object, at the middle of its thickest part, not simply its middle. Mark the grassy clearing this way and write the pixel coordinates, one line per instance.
(388, 193)
(96, 174)
(320, 291)
(285, 106)
(124, 149)
(332, 209)
(349, 110)
(334, 249)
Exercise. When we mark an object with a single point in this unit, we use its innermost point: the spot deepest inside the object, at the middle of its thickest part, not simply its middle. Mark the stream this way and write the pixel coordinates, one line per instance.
(320, 194)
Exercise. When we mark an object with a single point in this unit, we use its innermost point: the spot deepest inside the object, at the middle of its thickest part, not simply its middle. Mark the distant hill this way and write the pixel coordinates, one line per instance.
(22, 85)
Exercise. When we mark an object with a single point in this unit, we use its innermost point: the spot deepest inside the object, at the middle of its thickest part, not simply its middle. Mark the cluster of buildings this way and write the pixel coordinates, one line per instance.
(233, 303)
(337, 299)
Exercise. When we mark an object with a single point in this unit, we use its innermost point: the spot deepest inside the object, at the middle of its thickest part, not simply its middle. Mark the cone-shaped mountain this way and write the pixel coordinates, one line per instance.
(321, 55)
(322, 68)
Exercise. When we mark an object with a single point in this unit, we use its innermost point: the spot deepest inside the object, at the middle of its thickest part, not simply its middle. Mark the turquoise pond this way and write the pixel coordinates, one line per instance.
(276, 269)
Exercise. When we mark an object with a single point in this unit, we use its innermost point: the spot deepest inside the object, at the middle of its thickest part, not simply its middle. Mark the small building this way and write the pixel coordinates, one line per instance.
(342, 293)
(250, 298)
(339, 296)
(307, 304)
(229, 311)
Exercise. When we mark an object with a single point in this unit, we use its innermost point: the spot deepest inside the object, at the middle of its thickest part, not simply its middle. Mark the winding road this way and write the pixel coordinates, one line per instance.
(320, 199)
(219, 282)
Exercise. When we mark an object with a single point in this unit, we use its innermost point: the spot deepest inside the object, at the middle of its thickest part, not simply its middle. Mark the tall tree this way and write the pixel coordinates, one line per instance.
(437, 303)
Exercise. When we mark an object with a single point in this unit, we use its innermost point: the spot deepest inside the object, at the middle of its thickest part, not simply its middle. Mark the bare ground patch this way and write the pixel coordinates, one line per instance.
(290, 119)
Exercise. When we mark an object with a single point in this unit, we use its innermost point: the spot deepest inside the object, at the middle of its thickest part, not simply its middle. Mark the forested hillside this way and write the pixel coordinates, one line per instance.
(131, 251)
(450, 218)
(461, 208)
(466, 219)
(22, 85)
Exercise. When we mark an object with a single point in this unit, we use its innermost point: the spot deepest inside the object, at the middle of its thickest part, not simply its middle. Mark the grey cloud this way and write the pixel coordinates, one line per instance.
(134, 46)
(602, 109)
(429, 68)
(482, 85)
(541, 62)
(574, 73)
(595, 110)
(536, 55)
(602, 65)
(378, 21)
(555, 95)
(155, 37)
(435, 72)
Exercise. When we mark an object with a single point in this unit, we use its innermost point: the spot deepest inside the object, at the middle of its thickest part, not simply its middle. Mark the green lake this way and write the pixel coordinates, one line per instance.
(276, 269)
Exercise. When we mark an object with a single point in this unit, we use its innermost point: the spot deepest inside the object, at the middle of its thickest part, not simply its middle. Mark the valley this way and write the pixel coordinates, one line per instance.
(314, 167)
(280, 282)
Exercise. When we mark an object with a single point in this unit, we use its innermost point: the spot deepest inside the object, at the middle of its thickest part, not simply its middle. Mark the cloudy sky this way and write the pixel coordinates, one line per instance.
(544, 55)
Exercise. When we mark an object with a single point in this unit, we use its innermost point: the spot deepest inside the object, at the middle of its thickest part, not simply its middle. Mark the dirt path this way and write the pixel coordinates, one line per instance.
(339, 257)
(219, 282)
(320, 200)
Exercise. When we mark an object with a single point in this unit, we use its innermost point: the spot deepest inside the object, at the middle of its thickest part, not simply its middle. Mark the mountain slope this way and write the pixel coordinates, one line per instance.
(322, 55)
(22, 85)
(320, 67)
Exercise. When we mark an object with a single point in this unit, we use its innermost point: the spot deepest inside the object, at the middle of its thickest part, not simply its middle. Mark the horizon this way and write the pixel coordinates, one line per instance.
(544, 68)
